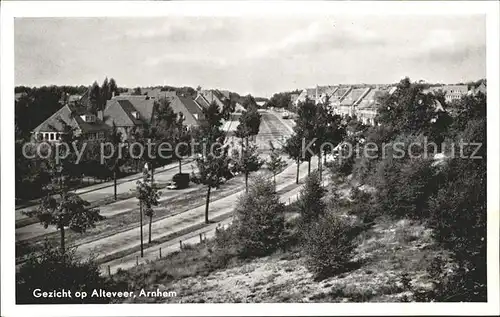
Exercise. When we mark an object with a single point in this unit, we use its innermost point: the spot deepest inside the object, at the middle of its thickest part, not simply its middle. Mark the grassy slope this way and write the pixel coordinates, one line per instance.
(385, 252)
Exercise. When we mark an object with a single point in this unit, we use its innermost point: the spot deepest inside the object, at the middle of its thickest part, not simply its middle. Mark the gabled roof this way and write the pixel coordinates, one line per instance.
(225, 93)
(369, 101)
(119, 112)
(352, 96)
(213, 96)
(142, 104)
(191, 111)
(70, 115)
(202, 101)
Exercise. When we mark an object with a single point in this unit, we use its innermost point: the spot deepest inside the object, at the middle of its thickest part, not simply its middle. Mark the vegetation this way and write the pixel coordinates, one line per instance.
(329, 244)
(275, 163)
(54, 270)
(259, 220)
(311, 205)
(148, 196)
(213, 167)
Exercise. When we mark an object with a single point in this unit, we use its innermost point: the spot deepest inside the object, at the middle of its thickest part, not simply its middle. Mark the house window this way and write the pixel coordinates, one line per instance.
(58, 136)
(51, 135)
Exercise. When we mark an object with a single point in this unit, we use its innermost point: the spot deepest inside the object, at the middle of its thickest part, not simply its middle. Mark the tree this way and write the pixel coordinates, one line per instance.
(280, 100)
(246, 161)
(311, 203)
(113, 88)
(259, 220)
(275, 163)
(293, 148)
(69, 211)
(94, 103)
(306, 129)
(117, 159)
(105, 93)
(137, 91)
(213, 168)
(181, 136)
(148, 197)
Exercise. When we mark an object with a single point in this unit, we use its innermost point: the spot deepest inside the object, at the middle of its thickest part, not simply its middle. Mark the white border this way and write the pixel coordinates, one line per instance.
(10, 10)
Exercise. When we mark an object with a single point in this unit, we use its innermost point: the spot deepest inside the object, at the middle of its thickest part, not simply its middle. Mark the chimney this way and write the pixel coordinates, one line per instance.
(100, 115)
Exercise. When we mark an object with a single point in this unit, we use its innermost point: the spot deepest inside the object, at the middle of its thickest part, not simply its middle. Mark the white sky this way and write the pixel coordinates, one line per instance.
(249, 55)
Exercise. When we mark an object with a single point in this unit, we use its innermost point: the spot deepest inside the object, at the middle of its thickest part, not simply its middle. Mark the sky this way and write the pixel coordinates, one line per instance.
(260, 56)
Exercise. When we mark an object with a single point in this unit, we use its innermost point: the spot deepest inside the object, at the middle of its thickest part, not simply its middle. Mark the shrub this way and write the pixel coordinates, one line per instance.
(54, 270)
(329, 244)
(259, 220)
(363, 206)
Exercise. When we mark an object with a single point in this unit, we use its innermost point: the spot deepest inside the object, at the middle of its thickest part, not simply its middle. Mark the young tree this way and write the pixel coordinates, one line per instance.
(117, 159)
(275, 163)
(311, 203)
(246, 161)
(69, 211)
(148, 196)
(293, 148)
(213, 168)
(181, 138)
(306, 129)
(329, 245)
(259, 220)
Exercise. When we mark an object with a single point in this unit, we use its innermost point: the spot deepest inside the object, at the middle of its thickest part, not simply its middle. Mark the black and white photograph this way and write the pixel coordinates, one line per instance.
(292, 153)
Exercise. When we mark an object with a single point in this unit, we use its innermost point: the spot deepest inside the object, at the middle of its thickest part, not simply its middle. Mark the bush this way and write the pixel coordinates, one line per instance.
(54, 270)
(225, 248)
(363, 206)
(259, 220)
(329, 244)
(311, 203)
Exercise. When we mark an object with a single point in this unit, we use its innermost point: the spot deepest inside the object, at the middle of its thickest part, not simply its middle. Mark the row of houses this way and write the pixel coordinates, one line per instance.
(127, 112)
(363, 101)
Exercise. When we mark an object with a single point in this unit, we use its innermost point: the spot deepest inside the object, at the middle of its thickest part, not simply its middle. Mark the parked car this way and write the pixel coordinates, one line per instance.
(179, 181)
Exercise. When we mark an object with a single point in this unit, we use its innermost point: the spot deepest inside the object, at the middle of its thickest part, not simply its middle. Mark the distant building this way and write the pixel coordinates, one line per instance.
(367, 108)
(451, 92)
(83, 123)
(261, 104)
(337, 96)
(293, 99)
(214, 95)
(129, 113)
(350, 101)
(191, 110)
